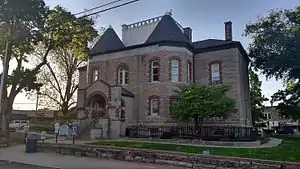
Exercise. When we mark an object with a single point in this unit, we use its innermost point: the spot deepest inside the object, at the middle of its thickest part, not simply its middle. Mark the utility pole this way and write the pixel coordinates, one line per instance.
(36, 105)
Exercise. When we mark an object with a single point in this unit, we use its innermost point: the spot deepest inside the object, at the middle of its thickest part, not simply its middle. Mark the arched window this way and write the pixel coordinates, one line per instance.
(123, 75)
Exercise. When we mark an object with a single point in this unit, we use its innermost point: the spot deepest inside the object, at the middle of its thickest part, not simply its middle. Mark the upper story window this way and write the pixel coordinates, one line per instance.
(154, 106)
(267, 116)
(175, 70)
(95, 74)
(215, 72)
(154, 71)
(189, 72)
(123, 75)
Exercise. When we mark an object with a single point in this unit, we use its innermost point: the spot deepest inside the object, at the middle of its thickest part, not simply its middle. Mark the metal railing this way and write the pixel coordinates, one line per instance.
(209, 133)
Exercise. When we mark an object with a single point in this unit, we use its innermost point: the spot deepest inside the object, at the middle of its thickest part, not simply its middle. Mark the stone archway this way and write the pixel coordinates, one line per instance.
(97, 103)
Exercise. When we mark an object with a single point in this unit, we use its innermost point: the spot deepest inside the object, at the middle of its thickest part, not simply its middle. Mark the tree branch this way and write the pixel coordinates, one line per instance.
(56, 81)
(52, 98)
(34, 71)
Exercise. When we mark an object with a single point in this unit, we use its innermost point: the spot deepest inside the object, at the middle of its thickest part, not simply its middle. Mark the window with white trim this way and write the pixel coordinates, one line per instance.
(215, 73)
(95, 74)
(174, 70)
(122, 75)
(155, 71)
(154, 109)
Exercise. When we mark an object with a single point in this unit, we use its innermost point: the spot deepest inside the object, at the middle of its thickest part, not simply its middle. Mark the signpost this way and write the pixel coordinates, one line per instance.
(43, 138)
(74, 133)
(56, 129)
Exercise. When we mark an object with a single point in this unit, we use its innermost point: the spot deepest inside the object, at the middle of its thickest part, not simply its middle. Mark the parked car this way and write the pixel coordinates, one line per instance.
(18, 124)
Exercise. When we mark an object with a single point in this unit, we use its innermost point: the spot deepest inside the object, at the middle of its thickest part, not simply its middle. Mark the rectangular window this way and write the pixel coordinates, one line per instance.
(173, 100)
(95, 74)
(215, 73)
(154, 107)
(175, 70)
(154, 71)
(189, 73)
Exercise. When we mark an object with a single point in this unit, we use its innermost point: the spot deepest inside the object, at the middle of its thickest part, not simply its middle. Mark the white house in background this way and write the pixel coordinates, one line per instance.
(273, 119)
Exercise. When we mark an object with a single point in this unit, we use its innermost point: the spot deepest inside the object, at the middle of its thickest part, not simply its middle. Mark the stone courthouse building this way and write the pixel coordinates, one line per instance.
(132, 81)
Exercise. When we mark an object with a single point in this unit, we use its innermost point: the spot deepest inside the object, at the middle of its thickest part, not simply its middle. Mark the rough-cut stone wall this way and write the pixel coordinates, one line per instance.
(233, 69)
(170, 158)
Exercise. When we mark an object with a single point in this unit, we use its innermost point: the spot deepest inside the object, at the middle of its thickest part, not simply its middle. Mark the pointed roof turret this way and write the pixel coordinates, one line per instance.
(109, 41)
(167, 30)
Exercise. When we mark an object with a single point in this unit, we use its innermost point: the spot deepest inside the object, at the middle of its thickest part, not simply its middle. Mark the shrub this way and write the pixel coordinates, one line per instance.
(264, 139)
(48, 129)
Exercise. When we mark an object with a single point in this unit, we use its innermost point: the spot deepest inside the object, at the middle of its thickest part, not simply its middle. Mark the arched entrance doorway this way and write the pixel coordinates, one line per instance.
(97, 102)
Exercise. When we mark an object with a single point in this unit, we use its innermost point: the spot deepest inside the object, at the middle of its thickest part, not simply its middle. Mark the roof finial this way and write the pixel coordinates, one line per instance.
(169, 12)
(110, 26)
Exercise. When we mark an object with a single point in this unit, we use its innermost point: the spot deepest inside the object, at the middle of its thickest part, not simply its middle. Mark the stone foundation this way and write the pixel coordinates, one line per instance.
(167, 158)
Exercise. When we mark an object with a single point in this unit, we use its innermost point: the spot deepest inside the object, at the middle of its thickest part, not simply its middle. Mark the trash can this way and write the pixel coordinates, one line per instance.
(31, 143)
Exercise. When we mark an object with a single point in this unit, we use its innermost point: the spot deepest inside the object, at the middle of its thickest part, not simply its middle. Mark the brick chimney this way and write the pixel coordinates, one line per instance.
(188, 33)
(228, 31)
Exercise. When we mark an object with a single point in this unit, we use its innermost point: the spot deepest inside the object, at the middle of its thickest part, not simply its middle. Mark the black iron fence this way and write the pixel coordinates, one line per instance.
(209, 133)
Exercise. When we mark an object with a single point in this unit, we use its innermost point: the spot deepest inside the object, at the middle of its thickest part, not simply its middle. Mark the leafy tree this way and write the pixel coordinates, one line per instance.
(60, 78)
(201, 101)
(257, 98)
(27, 26)
(275, 51)
(288, 99)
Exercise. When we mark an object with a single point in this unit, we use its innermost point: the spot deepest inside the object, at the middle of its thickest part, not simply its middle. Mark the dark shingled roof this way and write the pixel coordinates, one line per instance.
(109, 41)
(210, 43)
(167, 30)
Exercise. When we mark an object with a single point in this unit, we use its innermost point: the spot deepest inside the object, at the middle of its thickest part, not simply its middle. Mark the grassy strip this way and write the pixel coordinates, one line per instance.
(289, 150)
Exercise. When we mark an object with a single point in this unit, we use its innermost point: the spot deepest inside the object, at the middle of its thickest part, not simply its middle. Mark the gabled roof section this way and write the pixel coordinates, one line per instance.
(210, 43)
(109, 41)
(167, 30)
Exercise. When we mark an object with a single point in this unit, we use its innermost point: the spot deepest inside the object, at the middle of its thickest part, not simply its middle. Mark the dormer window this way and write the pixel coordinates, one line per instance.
(95, 75)
(215, 75)
(154, 71)
(123, 75)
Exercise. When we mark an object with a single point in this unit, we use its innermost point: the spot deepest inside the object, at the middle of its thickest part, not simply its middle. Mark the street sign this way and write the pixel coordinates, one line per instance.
(43, 135)
(74, 130)
(56, 127)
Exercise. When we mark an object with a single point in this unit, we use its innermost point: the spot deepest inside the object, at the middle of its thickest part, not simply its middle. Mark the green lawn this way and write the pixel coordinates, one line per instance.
(289, 150)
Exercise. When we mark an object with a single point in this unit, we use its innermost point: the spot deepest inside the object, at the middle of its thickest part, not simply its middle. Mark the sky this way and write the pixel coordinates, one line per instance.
(205, 17)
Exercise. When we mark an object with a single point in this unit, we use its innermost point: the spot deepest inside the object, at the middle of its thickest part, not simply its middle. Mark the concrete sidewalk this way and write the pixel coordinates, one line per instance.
(17, 154)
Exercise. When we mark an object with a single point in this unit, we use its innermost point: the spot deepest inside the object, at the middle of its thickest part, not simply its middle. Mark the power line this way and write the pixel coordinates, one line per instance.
(94, 13)
(97, 7)
(24, 103)
(117, 6)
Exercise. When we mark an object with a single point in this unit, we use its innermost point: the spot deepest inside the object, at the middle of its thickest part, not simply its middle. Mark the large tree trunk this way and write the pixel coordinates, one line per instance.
(6, 115)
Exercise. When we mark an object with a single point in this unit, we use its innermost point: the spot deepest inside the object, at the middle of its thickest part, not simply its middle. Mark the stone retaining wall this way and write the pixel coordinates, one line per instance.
(170, 158)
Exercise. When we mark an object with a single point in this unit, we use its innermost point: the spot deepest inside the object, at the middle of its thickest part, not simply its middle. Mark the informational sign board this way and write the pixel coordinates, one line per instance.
(43, 135)
(74, 130)
(64, 130)
(56, 127)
